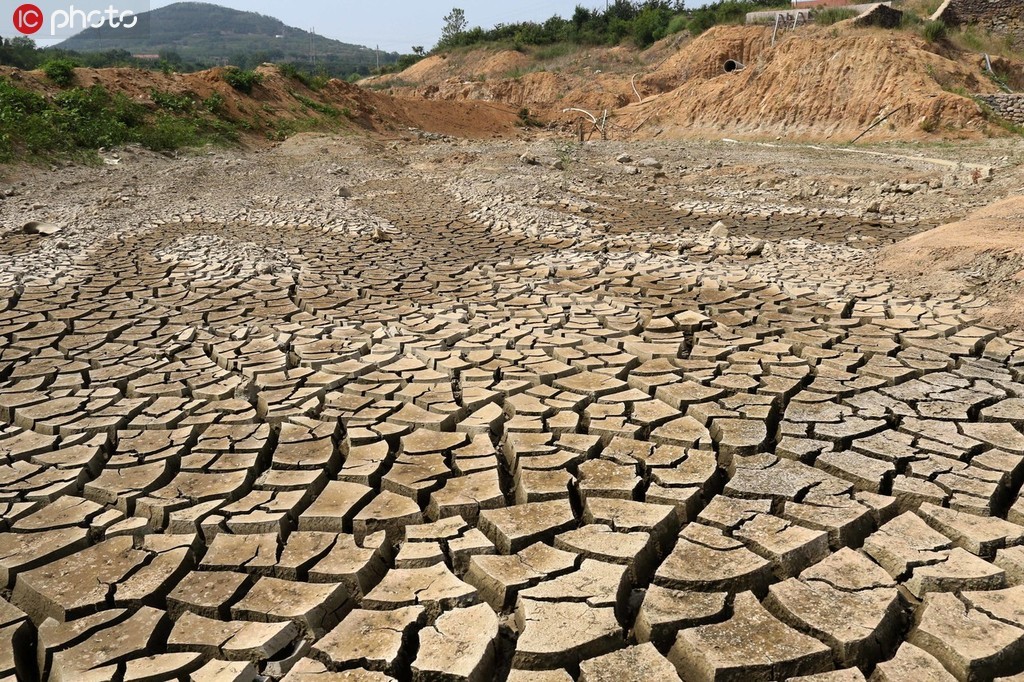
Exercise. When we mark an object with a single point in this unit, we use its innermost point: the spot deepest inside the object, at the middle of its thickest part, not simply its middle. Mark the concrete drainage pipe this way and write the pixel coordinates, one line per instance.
(733, 65)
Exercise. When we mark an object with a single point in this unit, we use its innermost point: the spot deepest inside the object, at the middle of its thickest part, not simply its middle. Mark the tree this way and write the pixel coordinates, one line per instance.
(418, 50)
(171, 57)
(454, 24)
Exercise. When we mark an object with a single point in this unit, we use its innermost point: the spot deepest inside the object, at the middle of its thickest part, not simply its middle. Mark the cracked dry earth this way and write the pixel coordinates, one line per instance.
(324, 413)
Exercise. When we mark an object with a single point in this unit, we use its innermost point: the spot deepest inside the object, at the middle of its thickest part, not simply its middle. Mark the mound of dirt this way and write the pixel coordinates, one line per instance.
(814, 84)
(703, 58)
(592, 78)
(983, 254)
(279, 100)
(469, 65)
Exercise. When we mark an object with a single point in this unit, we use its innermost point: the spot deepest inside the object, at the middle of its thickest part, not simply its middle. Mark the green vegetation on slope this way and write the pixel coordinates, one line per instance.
(81, 120)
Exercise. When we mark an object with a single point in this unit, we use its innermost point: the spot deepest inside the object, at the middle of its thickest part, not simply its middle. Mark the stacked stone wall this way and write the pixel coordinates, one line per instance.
(1008, 106)
(1003, 17)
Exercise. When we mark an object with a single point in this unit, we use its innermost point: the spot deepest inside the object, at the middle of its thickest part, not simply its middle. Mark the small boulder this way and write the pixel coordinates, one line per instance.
(41, 228)
(719, 231)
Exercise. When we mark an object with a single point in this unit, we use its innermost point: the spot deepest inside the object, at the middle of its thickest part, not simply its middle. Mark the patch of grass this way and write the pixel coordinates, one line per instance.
(61, 71)
(910, 20)
(833, 15)
(973, 39)
(325, 109)
(243, 81)
(549, 52)
(935, 31)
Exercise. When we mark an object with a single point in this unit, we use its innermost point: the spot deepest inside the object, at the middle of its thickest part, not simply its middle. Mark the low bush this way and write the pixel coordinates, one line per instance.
(79, 121)
(243, 81)
(61, 71)
(169, 101)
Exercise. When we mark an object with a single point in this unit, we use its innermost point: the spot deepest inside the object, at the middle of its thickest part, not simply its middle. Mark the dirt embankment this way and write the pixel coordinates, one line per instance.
(278, 100)
(814, 83)
(984, 252)
(817, 85)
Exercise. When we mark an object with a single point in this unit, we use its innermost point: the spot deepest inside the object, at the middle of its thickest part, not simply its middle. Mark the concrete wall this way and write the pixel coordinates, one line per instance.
(1010, 107)
(1003, 17)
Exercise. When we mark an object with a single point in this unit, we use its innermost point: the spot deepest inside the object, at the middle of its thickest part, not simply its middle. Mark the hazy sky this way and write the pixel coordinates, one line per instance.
(397, 25)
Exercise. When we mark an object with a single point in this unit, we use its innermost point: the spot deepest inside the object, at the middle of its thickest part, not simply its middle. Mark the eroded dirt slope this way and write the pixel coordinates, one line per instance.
(814, 83)
(279, 100)
(984, 251)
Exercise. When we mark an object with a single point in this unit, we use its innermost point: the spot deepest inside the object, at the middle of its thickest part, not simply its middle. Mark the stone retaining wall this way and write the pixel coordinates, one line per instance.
(1010, 107)
(1005, 17)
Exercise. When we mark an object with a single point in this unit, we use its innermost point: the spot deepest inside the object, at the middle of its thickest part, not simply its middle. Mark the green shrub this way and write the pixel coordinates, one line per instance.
(833, 15)
(318, 81)
(169, 101)
(214, 103)
(935, 31)
(243, 81)
(169, 132)
(649, 26)
(293, 72)
(61, 71)
(89, 119)
(677, 25)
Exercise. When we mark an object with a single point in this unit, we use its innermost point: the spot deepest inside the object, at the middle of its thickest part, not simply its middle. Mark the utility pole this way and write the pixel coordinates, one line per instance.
(378, 57)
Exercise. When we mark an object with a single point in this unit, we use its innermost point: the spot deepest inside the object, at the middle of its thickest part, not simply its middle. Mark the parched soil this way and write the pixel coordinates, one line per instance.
(348, 409)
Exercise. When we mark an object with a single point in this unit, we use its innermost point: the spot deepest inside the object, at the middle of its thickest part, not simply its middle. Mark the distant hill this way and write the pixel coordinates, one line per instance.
(198, 33)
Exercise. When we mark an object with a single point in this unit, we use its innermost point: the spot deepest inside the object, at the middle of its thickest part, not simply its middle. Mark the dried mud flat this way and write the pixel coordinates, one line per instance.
(343, 410)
